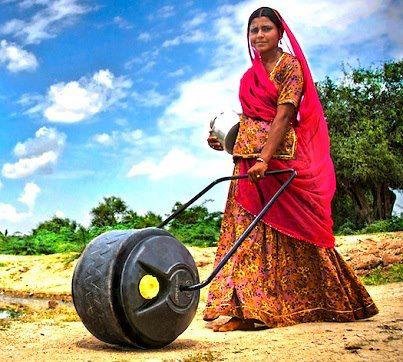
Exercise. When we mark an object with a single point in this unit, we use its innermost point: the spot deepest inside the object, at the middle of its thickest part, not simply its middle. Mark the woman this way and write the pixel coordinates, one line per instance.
(287, 271)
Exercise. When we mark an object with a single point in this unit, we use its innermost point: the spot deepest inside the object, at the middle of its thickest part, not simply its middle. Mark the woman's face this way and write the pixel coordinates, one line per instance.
(263, 34)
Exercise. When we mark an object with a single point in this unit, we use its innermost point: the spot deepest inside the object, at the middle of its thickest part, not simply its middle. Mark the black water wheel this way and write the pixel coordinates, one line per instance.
(106, 291)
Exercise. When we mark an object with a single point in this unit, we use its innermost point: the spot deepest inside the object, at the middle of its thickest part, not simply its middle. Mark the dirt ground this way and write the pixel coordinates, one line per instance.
(49, 329)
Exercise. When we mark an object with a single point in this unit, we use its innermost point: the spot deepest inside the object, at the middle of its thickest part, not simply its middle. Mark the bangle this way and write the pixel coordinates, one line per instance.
(260, 159)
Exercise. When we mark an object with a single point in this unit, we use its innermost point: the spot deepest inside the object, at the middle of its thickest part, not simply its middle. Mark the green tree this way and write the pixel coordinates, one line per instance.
(108, 212)
(366, 129)
(55, 225)
(3, 237)
(192, 214)
(150, 219)
(135, 221)
(196, 225)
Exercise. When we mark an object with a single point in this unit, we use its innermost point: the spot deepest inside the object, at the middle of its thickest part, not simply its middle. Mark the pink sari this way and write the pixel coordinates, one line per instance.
(303, 211)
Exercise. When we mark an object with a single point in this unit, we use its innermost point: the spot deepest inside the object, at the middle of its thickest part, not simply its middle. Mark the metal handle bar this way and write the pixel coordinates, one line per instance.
(248, 229)
(210, 186)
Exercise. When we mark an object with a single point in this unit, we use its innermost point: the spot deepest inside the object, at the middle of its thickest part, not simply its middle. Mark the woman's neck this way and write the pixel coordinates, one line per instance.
(271, 56)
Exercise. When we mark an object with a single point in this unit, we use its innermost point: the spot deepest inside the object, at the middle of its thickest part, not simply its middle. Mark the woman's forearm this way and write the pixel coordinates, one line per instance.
(277, 132)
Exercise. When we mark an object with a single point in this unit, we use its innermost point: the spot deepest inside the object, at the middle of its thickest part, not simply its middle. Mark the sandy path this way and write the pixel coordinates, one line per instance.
(376, 339)
(54, 337)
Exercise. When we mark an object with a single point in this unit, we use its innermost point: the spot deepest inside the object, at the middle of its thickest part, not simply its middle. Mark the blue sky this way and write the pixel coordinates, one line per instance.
(101, 98)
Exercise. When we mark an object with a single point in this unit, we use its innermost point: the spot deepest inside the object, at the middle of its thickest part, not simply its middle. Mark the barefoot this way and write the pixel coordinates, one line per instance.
(235, 324)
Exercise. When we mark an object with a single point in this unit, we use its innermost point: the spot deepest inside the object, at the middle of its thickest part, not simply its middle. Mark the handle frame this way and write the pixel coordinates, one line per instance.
(246, 232)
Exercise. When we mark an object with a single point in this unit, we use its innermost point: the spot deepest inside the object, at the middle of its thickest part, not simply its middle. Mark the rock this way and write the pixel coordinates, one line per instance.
(202, 263)
(52, 304)
(388, 259)
(371, 252)
(364, 263)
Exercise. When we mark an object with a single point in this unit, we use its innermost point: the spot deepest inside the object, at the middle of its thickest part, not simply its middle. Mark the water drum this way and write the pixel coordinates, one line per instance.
(126, 287)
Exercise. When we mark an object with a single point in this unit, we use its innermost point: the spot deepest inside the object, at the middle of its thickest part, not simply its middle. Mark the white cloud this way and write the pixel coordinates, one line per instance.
(166, 11)
(29, 195)
(34, 103)
(86, 220)
(46, 139)
(28, 166)
(46, 22)
(122, 23)
(133, 137)
(202, 97)
(147, 66)
(191, 37)
(144, 62)
(70, 103)
(76, 101)
(150, 98)
(60, 214)
(195, 21)
(175, 162)
(25, 4)
(9, 213)
(72, 174)
(38, 154)
(103, 139)
(178, 162)
(393, 23)
(29, 99)
(104, 78)
(179, 72)
(123, 122)
(144, 37)
(15, 58)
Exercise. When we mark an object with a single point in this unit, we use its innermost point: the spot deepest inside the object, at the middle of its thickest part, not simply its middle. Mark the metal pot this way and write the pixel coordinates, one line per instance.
(225, 127)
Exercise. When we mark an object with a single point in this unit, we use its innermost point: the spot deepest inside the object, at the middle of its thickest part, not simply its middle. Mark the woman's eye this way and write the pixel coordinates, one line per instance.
(265, 29)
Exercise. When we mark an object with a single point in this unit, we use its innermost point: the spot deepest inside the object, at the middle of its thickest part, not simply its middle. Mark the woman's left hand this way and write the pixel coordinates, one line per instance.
(256, 172)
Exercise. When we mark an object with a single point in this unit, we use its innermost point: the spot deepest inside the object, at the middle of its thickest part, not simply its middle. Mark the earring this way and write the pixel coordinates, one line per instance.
(280, 44)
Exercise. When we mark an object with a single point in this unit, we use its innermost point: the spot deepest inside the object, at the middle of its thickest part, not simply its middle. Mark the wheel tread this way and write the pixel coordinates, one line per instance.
(92, 287)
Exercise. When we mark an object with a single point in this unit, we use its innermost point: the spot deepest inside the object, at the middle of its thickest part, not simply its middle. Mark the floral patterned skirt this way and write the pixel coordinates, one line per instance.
(280, 281)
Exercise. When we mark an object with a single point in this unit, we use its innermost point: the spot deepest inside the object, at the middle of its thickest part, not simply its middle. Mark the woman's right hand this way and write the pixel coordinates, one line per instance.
(214, 143)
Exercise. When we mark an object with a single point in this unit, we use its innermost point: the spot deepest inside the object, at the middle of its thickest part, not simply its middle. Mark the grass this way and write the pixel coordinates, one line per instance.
(59, 314)
(13, 312)
(206, 356)
(380, 276)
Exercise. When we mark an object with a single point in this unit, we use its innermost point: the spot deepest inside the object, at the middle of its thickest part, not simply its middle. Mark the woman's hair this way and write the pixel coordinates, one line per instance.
(270, 13)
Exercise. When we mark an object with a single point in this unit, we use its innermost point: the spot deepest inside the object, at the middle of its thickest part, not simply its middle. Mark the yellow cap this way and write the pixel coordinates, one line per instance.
(149, 286)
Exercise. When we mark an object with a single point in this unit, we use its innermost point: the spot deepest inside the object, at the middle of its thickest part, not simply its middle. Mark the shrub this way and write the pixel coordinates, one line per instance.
(393, 224)
(198, 234)
(379, 276)
(45, 242)
(347, 228)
